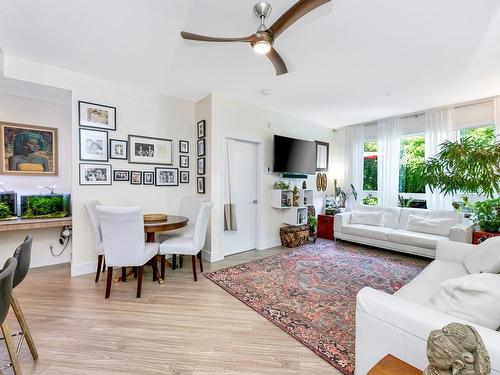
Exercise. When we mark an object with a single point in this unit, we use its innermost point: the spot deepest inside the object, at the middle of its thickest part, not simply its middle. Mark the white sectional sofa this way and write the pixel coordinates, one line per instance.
(393, 234)
(400, 324)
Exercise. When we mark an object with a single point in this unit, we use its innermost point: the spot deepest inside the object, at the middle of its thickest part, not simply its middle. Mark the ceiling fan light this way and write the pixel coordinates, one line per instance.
(262, 47)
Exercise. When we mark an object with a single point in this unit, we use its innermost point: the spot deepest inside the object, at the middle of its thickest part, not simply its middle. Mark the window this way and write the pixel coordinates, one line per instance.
(484, 134)
(411, 178)
(370, 172)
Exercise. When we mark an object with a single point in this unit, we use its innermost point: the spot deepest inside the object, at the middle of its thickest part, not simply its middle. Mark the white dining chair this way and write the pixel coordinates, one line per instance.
(189, 245)
(90, 206)
(122, 231)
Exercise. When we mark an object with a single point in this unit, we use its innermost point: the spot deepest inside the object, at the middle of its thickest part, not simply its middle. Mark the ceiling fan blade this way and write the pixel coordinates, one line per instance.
(277, 61)
(203, 38)
(296, 12)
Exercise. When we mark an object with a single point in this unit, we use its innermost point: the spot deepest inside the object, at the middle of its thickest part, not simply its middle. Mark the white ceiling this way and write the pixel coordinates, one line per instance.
(350, 61)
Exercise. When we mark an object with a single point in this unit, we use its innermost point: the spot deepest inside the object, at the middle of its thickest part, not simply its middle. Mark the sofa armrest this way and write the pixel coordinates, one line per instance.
(462, 232)
(453, 251)
(340, 220)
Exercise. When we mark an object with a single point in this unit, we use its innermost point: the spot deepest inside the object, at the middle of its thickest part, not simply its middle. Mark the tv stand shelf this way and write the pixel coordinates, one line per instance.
(27, 224)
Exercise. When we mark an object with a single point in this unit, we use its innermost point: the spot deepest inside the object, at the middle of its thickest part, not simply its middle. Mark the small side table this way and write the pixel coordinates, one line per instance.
(390, 365)
(478, 234)
(325, 226)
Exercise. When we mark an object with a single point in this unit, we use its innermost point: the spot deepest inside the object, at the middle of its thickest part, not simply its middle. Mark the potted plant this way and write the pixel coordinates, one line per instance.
(313, 224)
(341, 196)
(487, 215)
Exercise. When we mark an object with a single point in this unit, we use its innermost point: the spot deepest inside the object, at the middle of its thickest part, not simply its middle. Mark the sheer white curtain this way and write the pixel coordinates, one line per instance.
(389, 145)
(438, 128)
(354, 152)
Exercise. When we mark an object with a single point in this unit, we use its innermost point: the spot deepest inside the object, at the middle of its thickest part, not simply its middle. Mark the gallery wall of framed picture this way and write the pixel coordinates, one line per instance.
(201, 152)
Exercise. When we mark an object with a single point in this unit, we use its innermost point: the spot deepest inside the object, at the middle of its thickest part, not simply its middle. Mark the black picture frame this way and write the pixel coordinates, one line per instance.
(121, 179)
(200, 166)
(201, 129)
(133, 159)
(183, 147)
(201, 148)
(320, 146)
(89, 124)
(184, 177)
(146, 181)
(108, 180)
(159, 179)
(183, 161)
(112, 143)
(105, 144)
(200, 185)
(136, 173)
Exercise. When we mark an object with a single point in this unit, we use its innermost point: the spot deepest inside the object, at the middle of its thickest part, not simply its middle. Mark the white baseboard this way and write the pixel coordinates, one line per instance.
(268, 244)
(212, 257)
(83, 269)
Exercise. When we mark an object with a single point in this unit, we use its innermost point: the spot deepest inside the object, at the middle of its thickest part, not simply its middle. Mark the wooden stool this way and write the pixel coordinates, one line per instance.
(390, 365)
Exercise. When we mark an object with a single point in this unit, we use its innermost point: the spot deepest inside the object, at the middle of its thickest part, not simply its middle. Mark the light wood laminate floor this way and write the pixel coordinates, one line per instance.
(181, 327)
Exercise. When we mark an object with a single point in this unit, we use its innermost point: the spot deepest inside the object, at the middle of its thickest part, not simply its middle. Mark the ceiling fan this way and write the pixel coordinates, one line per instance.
(263, 40)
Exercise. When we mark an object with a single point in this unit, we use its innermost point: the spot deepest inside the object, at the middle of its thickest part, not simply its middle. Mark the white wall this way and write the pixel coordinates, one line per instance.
(30, 111)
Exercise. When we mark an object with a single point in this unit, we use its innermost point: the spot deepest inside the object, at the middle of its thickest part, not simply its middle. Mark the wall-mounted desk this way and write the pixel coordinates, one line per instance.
(27, 224)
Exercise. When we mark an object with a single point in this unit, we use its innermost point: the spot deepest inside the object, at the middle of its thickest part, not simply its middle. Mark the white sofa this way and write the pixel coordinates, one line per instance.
(393, 234)
(400, 324)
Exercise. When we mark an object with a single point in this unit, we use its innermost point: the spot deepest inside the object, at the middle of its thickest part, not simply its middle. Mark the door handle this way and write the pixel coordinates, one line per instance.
(254, 201)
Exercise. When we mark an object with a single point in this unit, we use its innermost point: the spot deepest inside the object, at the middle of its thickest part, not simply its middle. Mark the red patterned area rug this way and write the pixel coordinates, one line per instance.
(310, 292)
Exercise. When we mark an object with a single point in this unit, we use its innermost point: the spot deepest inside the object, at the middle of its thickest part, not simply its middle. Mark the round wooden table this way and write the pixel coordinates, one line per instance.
(173, 222)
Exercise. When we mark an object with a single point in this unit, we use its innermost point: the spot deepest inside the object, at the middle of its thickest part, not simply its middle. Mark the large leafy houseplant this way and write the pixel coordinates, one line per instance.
(487, 214)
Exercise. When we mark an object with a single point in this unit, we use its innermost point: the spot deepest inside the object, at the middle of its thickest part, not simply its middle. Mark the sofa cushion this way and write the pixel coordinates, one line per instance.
(441, 226)
(430, 214)
(391, 214)
(475, 298)
(421, 289)
(485, 257)
(368, 218)
(429, 241)
(369, 231)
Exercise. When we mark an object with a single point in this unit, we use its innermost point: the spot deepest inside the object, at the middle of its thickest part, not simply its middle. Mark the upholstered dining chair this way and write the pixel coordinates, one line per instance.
(122, 231)
(90, 206)
(6, 279)
(189, 245)
(23, 257)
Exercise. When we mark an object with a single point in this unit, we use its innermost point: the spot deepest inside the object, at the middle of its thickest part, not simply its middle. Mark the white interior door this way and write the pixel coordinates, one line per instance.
(242, 178)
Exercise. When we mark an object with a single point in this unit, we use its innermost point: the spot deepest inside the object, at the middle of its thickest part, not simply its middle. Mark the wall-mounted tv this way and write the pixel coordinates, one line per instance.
(294, 156)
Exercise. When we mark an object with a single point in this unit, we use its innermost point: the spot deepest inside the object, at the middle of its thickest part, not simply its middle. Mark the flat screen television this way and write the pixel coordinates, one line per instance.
(294, 156)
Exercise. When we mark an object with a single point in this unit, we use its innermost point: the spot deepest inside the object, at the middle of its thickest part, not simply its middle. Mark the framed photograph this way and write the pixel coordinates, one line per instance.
(183, 161)
(93, 145)
(136, 177)
(118, 149)
(322, 154)
(92, 115)
(184, 177)
(148, 178)
(166, 176)
(201, 166)
(184, 147)
(201, 147)
(95, 174)
(149, 150)
(28, 150)
(121, 175)
(200, 185)
(201, 129)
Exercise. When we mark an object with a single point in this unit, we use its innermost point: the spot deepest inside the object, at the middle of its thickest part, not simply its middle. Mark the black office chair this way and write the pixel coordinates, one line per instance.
(23, 257)
(6, 278)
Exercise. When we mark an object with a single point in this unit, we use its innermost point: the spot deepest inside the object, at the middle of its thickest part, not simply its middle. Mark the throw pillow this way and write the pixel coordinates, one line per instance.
(485, 257)
(475, 298)
(368, 218)
(440, 227)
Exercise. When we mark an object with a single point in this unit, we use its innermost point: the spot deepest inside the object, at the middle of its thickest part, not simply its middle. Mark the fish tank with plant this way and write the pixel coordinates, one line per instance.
(8, 205)
(49, 206)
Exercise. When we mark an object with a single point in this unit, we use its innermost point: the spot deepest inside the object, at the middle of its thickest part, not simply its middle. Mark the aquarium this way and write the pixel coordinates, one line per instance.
(8, 205)
(50, 206)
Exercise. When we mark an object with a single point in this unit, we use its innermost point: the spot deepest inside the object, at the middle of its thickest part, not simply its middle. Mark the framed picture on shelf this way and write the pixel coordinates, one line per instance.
(136, 177)
(183, 161)
(118, 149)
(93, 145)
(184, 177)
(121, 175)
(28, 150)
(95, 174)
(322, 154)
(166, 176)
(201, 166)
(201, 147)
(149, 150)
(92, 115)
(201, 129)
(184, 147)
(200, 185)
(148, 178)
